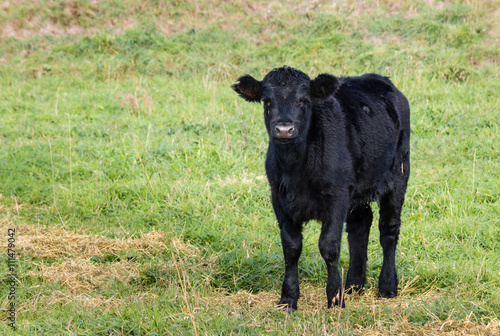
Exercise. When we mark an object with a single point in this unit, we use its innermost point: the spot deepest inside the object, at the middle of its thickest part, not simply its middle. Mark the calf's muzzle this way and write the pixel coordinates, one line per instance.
(284, 131)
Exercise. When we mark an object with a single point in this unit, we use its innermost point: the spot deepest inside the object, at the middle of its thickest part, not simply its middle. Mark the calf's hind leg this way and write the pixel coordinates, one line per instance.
(358, 224)
(329, 246)
(389, 225)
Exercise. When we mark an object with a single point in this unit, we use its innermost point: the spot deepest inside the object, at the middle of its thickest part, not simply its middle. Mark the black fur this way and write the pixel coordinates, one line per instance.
(350, 147)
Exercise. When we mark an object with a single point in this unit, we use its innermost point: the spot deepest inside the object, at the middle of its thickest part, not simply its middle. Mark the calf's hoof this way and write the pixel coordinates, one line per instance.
(351, 289)
(388, 287)
(387, 293)
(288, 305)
(338, 301)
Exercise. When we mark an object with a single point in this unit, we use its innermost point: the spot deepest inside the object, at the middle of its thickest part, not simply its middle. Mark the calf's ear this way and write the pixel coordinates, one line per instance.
(324, 86)
(248, 88)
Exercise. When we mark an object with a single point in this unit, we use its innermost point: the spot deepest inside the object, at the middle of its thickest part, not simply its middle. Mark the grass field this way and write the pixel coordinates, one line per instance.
(134, 176)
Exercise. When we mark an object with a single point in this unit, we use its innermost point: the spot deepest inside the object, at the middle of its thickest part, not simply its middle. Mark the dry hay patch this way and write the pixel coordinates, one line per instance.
(449, 327)
(313, 303)
(244, 180)
(44, 242)
(73, 253)
(81, 275)
(94, 301)
(246, 299)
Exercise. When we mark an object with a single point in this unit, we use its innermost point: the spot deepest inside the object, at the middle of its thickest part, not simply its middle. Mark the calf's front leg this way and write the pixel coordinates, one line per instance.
(291, 240)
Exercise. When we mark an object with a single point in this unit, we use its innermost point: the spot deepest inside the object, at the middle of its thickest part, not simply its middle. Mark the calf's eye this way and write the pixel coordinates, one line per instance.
(303, 103)
(267, 105)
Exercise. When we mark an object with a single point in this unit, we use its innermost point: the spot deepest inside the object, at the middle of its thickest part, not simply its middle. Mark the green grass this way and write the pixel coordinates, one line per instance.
(117, 120)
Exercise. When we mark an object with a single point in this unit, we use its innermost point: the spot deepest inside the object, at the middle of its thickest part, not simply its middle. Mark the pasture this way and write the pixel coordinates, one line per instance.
(134, 176)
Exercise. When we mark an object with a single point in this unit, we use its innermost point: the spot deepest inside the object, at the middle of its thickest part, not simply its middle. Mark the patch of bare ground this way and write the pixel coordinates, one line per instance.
(35, 27)
(358, 8)
(226, 14)
(39, 27)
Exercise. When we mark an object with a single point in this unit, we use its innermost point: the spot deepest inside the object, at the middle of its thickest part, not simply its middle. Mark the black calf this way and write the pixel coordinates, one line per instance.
(335, 144)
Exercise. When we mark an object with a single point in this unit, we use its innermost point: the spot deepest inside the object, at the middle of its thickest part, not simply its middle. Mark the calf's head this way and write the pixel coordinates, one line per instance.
(288, 96)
